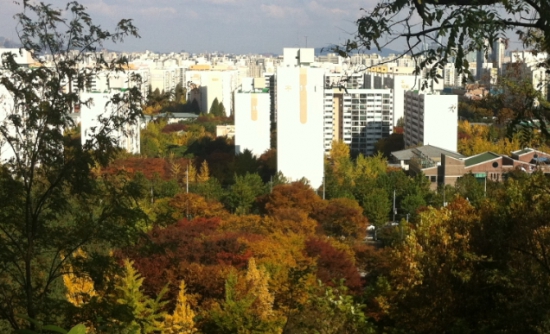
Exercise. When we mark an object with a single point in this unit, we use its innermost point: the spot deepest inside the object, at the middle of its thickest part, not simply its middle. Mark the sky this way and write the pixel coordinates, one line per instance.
(229, 26)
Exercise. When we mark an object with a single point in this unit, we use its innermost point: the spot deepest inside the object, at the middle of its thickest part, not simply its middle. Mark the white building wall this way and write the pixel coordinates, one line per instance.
(431, 119)
(22, 57)
(441, 121)
(6, 108)
(300, 150)
(212, 85)
(252, 122)
(161, 79)
(127, 138)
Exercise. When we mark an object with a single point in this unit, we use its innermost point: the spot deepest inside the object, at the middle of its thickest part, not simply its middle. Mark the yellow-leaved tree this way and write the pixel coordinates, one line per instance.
(258, 286)
(191, 174)
(182, 320)
(79, 289)
(204, 173)
(340, 163)
(248, 307)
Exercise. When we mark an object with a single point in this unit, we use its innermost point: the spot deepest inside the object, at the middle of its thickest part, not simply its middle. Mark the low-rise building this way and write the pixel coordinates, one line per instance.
(487, 166)
(226, 130)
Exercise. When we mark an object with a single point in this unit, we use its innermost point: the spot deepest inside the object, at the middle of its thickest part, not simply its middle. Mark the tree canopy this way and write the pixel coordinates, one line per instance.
(52, 202)
(455, 27)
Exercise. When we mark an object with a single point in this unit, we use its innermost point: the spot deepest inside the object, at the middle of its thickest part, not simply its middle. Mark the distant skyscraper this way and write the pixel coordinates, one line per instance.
(300, 149)
(497, 54)
(491, 57)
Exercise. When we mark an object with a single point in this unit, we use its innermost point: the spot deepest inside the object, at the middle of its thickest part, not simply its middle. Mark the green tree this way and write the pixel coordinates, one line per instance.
(210, 190)
(215, 108)
(195, 107)
(243, 193)
(471, 188)
(51, 204)
(329, 310)
(180, 94)
(375, 202)
(221, 110)
(147, 312)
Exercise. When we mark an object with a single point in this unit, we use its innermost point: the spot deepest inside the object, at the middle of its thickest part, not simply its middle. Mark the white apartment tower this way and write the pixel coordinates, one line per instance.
(431, 119)
(358, 117)
(300, 149)
(127, 138)
(252, 120)
(211, 85)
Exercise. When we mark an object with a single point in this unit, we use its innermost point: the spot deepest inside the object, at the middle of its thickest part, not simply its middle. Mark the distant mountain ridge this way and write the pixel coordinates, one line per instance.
(8, 43)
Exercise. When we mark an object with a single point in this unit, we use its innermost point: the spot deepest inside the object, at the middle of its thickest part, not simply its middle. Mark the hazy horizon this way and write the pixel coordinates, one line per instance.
(229, 26)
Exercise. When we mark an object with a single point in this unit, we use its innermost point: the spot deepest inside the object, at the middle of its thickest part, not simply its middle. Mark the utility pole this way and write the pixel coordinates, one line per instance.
(187, 192)
(394, 210)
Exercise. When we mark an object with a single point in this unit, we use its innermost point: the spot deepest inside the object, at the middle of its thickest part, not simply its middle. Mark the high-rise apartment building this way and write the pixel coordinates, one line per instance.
(300, 149)
(431, 119)
(358, 117)
(399, 84)
(206, 85)
(127, 137)
(252, 119)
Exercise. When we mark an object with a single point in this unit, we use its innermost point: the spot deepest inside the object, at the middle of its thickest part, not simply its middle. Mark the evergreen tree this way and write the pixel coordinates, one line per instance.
(248, 311)
(221, 110)
(190, 174)
(215, 108)
(147, 312)
(204, 173)
(180, 94)
(195, 108)
(258, 284)
(182, 320)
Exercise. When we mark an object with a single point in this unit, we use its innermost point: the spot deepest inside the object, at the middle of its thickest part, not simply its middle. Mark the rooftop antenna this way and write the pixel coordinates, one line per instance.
(306, 40)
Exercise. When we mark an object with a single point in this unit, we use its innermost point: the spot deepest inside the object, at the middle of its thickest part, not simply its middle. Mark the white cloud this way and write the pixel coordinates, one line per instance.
(159, 12)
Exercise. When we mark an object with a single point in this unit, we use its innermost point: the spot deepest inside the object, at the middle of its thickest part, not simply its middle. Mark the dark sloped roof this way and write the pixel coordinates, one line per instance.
(480, 158)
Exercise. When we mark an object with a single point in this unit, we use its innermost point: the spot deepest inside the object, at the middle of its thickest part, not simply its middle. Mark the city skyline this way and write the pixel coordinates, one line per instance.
(230, 26)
